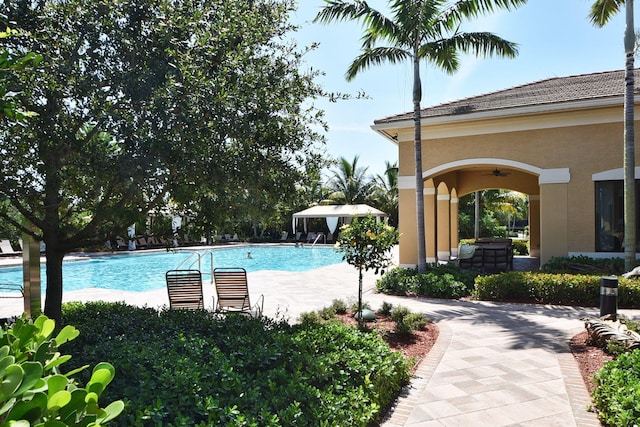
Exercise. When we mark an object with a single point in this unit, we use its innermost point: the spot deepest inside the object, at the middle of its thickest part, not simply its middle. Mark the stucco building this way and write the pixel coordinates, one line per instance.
(560, 141)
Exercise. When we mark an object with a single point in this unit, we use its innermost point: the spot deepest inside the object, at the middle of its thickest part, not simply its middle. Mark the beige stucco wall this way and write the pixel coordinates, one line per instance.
(459, 154)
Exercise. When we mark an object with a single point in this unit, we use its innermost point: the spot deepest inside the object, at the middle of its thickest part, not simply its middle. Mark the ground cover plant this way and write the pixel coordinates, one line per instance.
(188, 368)
(610, 371)
(413, 334)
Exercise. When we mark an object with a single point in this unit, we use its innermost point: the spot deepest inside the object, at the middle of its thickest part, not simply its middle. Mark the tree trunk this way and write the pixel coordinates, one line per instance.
(417, 143)
(476, 215)
(629, 144)
(360, 316)
(53, 302)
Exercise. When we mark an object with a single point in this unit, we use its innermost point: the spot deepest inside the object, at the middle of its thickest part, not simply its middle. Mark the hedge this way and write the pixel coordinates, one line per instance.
(562, 289)
(190, 368)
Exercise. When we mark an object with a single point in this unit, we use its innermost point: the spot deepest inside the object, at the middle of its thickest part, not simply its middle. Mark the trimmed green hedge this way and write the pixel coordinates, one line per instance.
(440, 281)
(189, 368)
(563, 289)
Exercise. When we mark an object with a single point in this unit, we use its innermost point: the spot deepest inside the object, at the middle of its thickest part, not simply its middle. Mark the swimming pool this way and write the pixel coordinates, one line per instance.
(140, 271)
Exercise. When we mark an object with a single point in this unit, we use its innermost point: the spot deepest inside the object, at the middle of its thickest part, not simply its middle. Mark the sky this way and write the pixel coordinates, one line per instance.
(555, 39)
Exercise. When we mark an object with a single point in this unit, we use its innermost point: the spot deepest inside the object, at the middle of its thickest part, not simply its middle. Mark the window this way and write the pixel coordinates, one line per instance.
(610, 215)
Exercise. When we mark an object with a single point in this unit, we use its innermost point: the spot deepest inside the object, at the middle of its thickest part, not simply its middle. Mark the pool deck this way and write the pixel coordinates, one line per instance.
(494, 364)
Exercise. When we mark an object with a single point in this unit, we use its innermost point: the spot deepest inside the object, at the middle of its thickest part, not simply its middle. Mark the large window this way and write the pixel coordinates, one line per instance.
(610, 215)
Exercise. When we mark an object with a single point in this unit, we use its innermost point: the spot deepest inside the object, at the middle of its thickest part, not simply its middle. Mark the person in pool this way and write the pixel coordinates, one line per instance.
(249, 255)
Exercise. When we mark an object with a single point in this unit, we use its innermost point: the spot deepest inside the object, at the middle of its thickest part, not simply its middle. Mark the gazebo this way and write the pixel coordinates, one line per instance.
(333, 213)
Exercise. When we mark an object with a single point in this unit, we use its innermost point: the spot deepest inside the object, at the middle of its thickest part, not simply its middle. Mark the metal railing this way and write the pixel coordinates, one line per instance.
(196, 259)
(11, 290)
(321, 235)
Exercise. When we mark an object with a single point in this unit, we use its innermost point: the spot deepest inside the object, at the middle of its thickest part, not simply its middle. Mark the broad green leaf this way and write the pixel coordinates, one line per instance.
(32, 375)
(12, 379)
(47, 328)
(56, 383)
(58, 400)
(30, 410)
(57, 361)
(111, 411)
(67, 333)
(91, 397)
(5, 362)
(7, 405)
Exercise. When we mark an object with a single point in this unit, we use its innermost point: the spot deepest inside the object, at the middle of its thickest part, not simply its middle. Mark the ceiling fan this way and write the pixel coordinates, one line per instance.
(498, 172)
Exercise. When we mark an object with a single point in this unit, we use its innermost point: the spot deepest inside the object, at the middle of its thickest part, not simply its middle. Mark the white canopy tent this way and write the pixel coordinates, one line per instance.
(332, 213)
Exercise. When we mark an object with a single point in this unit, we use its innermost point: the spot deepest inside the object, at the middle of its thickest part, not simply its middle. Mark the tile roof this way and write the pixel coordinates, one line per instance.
(554, 90)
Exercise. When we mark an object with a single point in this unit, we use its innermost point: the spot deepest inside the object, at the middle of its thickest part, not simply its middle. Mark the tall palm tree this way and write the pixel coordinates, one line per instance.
(417, 30)
(349, 182)
(601, 12)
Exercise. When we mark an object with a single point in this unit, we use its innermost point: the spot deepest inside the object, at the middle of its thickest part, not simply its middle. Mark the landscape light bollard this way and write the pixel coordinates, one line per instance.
(608, 296)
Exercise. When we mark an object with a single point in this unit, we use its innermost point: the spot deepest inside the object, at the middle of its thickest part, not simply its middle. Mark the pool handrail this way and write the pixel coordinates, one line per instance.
(318, 238)
(198, 261)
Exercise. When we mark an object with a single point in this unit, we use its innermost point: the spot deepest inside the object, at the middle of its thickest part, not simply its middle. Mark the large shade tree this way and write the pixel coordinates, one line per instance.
(141, 102)
(419, 30)
(601, 13)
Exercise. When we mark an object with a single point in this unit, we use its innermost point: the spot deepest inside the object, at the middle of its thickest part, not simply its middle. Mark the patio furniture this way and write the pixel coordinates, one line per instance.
(465, 256)
(11, 290)
(185, 289)
(490, 254)
(232, 292)
(6, 248)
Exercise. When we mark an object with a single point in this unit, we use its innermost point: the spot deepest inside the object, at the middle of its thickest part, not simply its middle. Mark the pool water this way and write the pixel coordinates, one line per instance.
(139, 271)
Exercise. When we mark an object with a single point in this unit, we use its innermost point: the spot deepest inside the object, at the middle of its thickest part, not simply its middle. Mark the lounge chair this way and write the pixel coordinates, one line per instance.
(141, 242)
(284, 236)
(232, 292)
(6, 248)
(185, 289)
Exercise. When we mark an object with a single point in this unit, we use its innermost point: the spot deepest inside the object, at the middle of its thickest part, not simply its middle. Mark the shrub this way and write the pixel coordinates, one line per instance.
(189, 368)
(339, 306)
(617, 391)
(520, 247)
(327, 313)
(35, 391)
(310, 317)
(438, 282)
(406, 321)
(386, 308)
(399, 313)
(566, 289)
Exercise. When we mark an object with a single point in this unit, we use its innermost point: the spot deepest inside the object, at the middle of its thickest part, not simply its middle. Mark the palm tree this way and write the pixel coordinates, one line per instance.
(385, 192)
(349, 183)
(601, 12)
(419, 29)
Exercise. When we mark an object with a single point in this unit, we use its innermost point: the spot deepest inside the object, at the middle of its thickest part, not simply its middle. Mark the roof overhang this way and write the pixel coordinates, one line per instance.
(388, 127)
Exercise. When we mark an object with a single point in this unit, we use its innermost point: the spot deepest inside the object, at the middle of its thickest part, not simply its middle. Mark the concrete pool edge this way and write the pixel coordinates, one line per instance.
(286, 293)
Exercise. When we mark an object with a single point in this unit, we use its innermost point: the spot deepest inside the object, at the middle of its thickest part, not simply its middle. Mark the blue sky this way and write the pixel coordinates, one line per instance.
(555, 39)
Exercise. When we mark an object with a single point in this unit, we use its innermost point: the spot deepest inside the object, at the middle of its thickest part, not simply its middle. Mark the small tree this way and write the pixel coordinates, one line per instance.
(366, 244)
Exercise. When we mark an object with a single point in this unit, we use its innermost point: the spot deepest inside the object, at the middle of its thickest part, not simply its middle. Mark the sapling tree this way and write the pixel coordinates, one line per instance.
(366, 244)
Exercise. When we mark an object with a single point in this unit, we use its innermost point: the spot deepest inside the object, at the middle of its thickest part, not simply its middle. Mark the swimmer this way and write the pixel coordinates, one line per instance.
(249, 255)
